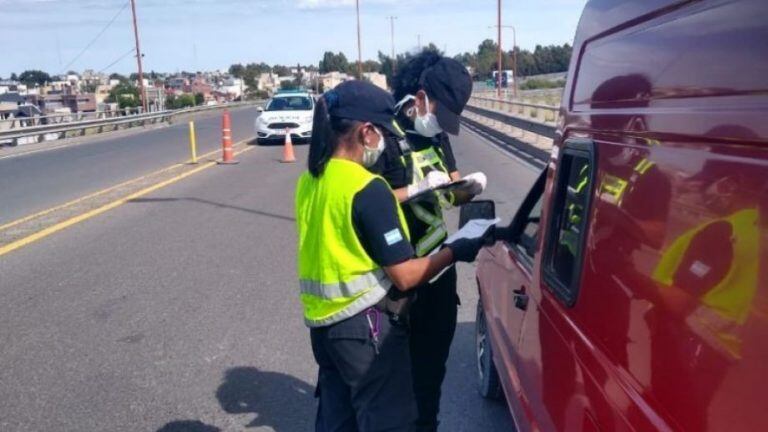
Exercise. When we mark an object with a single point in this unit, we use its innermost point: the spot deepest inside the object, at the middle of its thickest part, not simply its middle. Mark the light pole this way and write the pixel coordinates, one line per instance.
(359, 49)
(498, 73)
(392, 35)
(142, 95)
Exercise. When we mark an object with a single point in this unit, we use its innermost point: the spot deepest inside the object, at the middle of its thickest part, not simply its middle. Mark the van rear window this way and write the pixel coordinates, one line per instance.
(568, 221)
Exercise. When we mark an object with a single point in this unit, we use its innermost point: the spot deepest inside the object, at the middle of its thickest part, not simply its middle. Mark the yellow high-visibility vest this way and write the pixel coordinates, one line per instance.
(424, 160)
(726, 306)
(337, 277)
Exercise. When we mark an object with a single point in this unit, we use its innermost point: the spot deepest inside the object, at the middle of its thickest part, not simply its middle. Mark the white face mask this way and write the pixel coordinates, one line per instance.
(427, 124)
(371, 155)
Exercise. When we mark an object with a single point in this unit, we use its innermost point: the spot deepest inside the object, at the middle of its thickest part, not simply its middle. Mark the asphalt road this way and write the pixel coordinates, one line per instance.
(34, 182)
(179, 311)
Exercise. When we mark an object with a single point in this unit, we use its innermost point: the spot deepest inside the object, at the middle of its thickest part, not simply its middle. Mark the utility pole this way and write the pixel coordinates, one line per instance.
(359, 48)
(498, 73)
(142, 93)
(392, 36)
(418, 41)
(514, 56)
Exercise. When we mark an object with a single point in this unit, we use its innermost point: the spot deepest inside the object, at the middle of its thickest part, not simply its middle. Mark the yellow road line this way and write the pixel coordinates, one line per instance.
(87, 215)
(94, 194)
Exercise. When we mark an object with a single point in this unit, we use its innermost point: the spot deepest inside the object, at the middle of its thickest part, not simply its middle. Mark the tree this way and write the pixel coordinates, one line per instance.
(117, 76)
(199, 99)
(526, 63)
(14, 77)
(281, 70)
(126, 95)
(386, 63)
(237, 70)
(371, 66)
(32, 77)
(251, 73)
(333, 62)
(294, 84)
(183, 101)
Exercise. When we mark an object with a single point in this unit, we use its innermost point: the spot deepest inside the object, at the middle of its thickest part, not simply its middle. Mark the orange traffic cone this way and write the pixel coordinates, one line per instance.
(227, 152)
(288, 155)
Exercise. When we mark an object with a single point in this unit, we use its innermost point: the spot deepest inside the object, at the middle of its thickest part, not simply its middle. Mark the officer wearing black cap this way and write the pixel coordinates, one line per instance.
(354, 262)
(432, 91)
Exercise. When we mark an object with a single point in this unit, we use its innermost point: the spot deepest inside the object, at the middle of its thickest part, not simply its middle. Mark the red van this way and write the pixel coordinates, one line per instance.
(630, 290)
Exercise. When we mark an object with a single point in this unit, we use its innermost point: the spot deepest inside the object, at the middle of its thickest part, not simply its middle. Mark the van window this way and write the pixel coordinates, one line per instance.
(524, 231)
(568, 221)
(530, 235)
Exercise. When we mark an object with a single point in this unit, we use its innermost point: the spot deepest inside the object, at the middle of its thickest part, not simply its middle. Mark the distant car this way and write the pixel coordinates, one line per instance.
(286, 111)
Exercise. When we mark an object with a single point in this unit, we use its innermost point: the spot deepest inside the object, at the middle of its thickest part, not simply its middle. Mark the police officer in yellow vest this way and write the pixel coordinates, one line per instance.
(354, 261)
(432, 91)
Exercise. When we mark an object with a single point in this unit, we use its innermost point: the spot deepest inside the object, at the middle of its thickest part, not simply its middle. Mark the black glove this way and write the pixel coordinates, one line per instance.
(466, 249)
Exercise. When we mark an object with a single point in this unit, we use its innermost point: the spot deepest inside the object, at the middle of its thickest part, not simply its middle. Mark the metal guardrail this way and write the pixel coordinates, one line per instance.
(13, 136)
(514, 126)
(58, 118)
(503, 111)
(525, 109)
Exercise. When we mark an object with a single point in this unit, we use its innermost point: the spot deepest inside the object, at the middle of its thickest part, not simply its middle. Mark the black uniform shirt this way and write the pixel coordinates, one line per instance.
(374, 216)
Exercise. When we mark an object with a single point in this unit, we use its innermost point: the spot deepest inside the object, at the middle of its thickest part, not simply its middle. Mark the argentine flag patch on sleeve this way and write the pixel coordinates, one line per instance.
(393, 236)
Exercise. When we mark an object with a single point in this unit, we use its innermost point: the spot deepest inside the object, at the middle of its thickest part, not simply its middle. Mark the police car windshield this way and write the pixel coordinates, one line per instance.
(290, 103)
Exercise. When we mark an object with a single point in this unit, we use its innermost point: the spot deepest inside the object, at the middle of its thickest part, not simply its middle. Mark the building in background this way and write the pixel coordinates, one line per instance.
(230, 88)
(377, 79)
(155, 98)
(332, 79)
(268, 82)
(79, 103)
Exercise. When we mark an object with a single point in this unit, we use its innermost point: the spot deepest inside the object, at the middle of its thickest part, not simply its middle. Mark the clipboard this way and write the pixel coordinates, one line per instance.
(447, 187)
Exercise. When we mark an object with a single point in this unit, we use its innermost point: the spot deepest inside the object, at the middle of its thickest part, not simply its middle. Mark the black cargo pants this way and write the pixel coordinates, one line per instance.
(433, 325)
(364, 385)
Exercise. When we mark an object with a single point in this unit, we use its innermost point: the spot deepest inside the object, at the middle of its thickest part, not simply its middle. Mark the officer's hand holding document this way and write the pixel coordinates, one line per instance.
(440, 182)
(478, 229)
(474, 235)
(474, 184)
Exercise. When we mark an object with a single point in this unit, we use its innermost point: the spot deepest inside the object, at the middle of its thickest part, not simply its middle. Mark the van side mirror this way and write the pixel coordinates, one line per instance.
(260, 108)
(481, 209)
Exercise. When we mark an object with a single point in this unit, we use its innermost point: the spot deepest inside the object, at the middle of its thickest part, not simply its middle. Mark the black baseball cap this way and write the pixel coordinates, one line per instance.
(448, 82)
(362, 101)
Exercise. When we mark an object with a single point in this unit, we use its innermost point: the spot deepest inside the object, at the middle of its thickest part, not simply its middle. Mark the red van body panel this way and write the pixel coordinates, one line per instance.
(669, 328)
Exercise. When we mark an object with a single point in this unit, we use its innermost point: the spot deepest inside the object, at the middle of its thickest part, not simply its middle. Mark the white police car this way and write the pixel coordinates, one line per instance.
(290, 110)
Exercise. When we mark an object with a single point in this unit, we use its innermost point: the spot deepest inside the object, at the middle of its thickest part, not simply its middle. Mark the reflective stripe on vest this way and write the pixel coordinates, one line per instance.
(325, 304)
(337, 277)
(425, 160)
(348, 289)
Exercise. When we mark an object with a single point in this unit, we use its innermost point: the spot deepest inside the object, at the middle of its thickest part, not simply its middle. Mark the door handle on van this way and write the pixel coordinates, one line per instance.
(521, 298)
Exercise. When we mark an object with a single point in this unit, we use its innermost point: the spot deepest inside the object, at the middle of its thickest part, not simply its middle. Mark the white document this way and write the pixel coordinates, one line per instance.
(473, 229)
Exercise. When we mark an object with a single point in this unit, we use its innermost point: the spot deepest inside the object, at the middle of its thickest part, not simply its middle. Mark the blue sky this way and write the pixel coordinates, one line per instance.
(212, 34)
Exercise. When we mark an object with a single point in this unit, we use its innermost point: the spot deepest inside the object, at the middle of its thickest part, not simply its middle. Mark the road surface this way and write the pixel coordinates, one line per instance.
(179, 311)
(37, 181)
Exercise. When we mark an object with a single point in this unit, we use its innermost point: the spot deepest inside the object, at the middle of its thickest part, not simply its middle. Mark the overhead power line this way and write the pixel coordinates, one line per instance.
(95, 38)
(119, 59)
